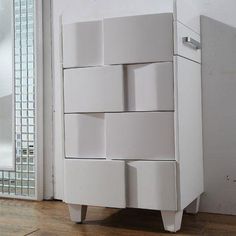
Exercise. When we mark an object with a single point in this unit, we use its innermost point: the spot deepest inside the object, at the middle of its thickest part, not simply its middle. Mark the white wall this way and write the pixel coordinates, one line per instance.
(48, 102)
(219, 115)
(221, 10)
(73, 10)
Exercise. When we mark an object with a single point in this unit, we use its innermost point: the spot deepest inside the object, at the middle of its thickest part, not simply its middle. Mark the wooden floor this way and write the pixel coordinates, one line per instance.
(51, 218)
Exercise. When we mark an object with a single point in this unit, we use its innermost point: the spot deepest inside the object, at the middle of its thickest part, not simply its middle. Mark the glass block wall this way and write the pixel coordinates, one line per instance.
(21, 182)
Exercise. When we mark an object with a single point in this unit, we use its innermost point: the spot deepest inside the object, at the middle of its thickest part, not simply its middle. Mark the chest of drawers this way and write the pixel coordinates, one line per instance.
(132, 111)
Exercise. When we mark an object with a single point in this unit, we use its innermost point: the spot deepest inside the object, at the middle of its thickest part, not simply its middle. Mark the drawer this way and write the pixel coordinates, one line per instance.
(138, 39)
(82, 44)
(150, 87)
(152, 185)
(140, 135)
(187, 49)
(95, 182)
(85, 135)
(94, 89)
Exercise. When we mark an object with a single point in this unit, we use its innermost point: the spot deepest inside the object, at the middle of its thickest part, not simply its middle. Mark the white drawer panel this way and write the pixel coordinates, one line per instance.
(150, 87)
(138, 39)
(85, 135)
(152, 185)
(186, 49)
(82, 44)
(95, 182)
(94, 89)
(140, 135)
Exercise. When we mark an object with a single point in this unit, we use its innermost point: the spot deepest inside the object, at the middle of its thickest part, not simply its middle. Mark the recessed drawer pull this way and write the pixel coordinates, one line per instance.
(190, 42)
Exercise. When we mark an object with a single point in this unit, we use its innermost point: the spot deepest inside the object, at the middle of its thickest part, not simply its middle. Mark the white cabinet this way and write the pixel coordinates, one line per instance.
(145, 135)
(133, 127)
(94, 89)
(82, 44)
(85, 135)
(150, 87)
(152, 185)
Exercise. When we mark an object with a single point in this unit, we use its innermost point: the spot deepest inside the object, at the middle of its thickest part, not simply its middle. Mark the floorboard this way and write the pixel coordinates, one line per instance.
(51, 218)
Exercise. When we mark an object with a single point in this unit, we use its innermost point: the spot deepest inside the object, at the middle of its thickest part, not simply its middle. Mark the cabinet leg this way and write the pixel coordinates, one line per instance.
(77, 212)
(193, 208)
(172, 220)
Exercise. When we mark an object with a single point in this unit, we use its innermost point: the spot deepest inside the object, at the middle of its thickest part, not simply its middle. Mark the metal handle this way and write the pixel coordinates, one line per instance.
(192, 43)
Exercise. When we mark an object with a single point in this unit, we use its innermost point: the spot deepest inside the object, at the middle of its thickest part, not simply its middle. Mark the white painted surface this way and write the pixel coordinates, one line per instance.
(39, 96)
(77, 10)
(48, 141)
(7, 137)
(82, 44)
(85, 136)
(219, 114)
(220, 10)
(189, 129)
(138, 39)
(188, 13)
(81, 10)
(183, 49)
(172, 220)
(7, 158)
(77, 212)
(140, 135)
(94, 89)
(152, 185)
(150, 87)
(6, 48)
(95, 182)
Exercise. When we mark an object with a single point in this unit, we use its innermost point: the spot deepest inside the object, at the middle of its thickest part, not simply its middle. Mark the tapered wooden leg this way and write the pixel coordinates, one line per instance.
(77, 212)
(193, 208)
(172, 220)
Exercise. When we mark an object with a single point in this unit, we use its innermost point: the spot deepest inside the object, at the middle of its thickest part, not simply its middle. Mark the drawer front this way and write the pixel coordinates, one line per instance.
(138, 39)
(95, 182)
(150, 87)
(152, 185)
(94, 89)
(140, 135)
(82, 44)
(187, 49)
(85, 136)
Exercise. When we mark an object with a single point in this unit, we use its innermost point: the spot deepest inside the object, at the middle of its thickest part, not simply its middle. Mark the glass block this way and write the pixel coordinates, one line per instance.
(25, 191)
(18, 190)
(22, 182)
(5, 189)
(24, 129)
(32, 192)
(12, 190)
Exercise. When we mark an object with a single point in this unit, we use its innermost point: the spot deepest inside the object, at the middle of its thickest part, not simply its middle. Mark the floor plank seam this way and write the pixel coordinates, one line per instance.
(30, 233)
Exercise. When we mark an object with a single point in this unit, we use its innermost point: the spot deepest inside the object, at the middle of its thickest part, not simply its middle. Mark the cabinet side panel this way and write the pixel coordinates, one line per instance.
(189, 131)
(188, 13)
